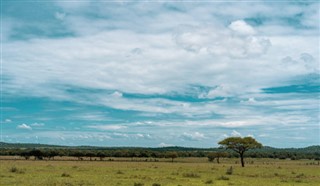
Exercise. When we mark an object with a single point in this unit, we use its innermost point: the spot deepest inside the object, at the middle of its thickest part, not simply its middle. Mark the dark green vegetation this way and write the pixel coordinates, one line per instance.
(39, 151)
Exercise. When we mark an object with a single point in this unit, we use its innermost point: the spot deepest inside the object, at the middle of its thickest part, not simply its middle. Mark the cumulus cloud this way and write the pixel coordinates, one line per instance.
(236, 133)
(241, 27)
(145, 136)
(195, 136)
(162, 144)
(249, 101)
(37, 124)
(119, 135)
(300, 65)
(221, 41)
(24, 126)
(107, 127)
(116, 94)
(219, 91)
(7, 121)
(59, 15)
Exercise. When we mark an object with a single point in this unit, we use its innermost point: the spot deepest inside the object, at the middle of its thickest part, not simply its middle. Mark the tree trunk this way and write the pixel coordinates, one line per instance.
(218, 160)
(242, 161)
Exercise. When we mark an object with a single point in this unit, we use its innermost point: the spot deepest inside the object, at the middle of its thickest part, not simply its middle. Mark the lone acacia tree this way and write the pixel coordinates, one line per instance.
(240, 145)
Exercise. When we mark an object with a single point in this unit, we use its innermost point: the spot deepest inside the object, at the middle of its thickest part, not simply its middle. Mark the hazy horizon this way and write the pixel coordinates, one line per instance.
(152, 74)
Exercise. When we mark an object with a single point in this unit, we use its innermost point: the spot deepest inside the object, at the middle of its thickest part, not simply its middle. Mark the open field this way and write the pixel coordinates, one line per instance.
(184, 172)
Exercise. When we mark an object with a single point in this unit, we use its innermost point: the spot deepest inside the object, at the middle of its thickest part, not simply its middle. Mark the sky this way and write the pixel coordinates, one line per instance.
(160, 73)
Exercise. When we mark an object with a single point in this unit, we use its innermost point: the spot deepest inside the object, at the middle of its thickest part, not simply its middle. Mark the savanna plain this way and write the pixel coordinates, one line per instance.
(162, 172)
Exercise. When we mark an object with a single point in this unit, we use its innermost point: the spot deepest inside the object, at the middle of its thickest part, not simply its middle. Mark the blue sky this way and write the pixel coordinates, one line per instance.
(157, 73)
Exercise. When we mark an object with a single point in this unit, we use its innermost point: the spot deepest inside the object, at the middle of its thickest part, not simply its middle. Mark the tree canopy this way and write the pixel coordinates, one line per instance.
(240, 145)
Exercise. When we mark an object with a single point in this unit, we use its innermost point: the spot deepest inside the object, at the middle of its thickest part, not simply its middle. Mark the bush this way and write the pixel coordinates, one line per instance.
(138, 184)
(223, 178)
(119, 172)
(209, 182)
(300, 175)
(65, 175)
(13, 169)
(156, 184)
(191, 175)
(16, 170)
(229, 171)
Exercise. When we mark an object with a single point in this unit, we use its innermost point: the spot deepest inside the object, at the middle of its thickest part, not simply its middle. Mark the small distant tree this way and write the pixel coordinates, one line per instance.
(240, 145)
(171, 155)
(211, 156)
(216, 155)
(221, 155)
(90, 154)
(38, 154)
(25, 154)
(51, 154)
(101, 155)
(77, 154)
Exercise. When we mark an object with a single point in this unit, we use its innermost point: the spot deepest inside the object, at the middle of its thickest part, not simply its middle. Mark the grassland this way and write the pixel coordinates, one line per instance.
(183, 172)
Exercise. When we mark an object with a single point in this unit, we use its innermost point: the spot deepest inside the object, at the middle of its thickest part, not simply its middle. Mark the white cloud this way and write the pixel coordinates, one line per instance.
(91, 116)
(145, 136)
(119, 135)
(107, 127)
(116, 94)
(264, 135)
(219, 41)
(162, 144)
(24, 126)
(193, 136)
(7, 120)
(249, 101)
(37, 124)
(220, 91)
(59, 15)
(241, 27)
(235, 133)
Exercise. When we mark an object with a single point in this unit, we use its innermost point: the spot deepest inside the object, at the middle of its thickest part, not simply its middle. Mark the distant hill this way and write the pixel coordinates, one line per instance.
(28, 145)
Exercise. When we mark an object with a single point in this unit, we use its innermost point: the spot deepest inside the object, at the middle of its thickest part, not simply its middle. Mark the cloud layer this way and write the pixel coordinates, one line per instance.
(145, 74)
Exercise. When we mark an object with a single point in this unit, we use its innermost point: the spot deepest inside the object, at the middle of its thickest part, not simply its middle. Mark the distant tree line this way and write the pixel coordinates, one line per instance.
(171, 153)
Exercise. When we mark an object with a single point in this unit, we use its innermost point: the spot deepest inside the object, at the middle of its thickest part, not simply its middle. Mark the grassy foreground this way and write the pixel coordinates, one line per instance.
(183, 172)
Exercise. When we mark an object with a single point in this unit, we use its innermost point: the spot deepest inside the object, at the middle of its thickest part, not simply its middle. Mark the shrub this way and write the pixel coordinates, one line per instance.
(175, 173)
(16, 170)
(156, 184)
(223, 178)
(13, 169)
(65, 175)
(191, 175)
(229, 171)
(300, 175)
(138, 184)
(209, 182)
(119, 172)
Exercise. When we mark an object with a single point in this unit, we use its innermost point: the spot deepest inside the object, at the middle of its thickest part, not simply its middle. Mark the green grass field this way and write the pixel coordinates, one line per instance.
(183, 172)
